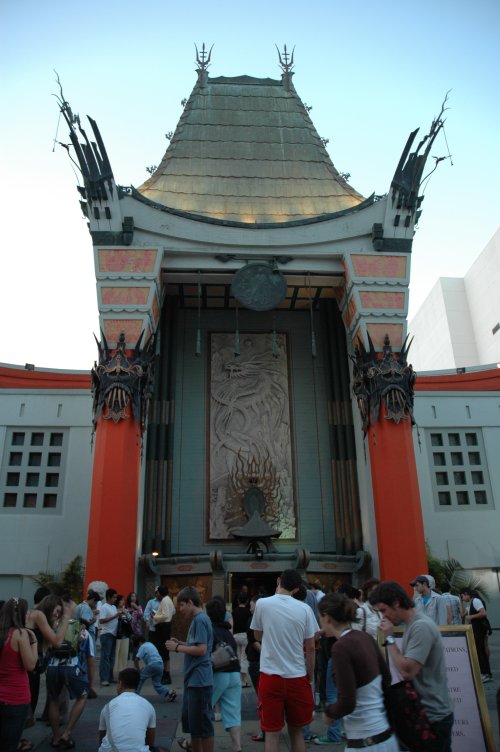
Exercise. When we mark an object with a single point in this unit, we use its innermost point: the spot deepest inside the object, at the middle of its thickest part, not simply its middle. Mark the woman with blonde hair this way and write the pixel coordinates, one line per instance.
(49, 621)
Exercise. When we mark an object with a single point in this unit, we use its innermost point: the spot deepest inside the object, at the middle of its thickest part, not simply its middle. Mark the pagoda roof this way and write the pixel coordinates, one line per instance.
(246, 151)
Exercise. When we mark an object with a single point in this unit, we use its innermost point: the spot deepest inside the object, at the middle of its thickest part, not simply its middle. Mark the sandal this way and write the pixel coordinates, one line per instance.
(25, 745)
(257, 737)
(66, 743)
(184, 744)
(170, 696)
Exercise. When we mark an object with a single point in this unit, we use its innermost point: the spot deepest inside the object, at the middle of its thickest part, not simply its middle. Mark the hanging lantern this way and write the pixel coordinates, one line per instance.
(237, 350)
(197, 351)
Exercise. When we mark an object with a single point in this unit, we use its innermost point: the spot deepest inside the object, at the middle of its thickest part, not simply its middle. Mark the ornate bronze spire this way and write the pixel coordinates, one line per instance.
(286, 65)
(203, 61)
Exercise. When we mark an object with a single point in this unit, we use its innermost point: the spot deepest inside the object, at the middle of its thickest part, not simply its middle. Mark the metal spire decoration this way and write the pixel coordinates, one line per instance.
(286, 65)
(203, 61)
(285, 59)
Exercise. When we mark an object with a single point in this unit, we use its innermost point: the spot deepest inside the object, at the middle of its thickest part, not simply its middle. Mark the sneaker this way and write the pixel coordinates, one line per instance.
(170, 696)
(310, 737)
(323, 740)
(486, 678)
(217, 716)
(104, 684)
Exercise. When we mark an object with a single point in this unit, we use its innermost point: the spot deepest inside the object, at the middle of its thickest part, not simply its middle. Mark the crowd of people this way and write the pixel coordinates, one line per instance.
(302, 650)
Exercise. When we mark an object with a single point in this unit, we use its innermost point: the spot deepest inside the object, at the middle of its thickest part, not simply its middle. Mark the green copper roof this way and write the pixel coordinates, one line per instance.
(245, 150)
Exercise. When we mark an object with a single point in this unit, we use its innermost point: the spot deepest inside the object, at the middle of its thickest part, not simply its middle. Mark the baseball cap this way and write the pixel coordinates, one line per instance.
(422, 578)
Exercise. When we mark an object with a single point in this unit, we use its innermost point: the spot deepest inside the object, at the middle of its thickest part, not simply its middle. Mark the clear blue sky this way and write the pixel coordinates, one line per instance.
(371, 71)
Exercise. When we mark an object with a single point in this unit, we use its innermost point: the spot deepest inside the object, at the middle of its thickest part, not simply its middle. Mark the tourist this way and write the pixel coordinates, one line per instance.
(128, 722)
(198, 678)
(163, 629)
(123, 634)
(241, 620)
(428, 601)
(48, 620)
(359, 671)
(421, 657)
(475, 615)
(226, 681)
(150, 610)
(287, 629)
(152, 668)
(133, 607)
(18, 655)
(454, 607)
(87, 613)
(108, 625)
(68, 669)
(368, 618)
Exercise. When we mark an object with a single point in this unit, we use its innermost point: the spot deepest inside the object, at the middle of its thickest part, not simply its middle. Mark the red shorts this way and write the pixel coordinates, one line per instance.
(284, 699)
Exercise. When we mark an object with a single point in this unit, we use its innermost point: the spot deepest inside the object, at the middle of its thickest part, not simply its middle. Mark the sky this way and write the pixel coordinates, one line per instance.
(372, 73)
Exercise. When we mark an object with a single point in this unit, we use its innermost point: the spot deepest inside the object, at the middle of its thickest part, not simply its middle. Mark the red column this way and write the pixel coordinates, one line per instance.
(112, 537)
(398, 512)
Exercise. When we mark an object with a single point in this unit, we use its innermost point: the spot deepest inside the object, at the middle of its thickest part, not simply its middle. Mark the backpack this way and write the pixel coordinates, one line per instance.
(73, 638)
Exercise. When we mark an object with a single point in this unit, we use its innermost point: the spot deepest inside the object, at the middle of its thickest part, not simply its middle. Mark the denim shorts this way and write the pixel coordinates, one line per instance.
(197, 712)
(66, 676)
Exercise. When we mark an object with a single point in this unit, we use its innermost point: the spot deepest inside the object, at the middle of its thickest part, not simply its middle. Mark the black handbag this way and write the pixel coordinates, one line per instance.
(408, 717)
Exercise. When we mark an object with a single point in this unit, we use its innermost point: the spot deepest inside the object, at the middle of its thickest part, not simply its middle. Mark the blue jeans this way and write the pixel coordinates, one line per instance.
(334, 729)
(108, 646)
(12, 719)
(155, 671)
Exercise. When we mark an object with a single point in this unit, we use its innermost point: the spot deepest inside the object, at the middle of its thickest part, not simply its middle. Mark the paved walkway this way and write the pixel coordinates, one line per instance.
(167, 714)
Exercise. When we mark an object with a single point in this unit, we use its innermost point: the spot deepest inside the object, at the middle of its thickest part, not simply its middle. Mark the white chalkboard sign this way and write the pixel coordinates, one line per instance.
(472, 727)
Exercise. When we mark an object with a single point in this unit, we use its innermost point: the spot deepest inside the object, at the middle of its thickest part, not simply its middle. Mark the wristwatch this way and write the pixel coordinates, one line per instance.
(389, 640)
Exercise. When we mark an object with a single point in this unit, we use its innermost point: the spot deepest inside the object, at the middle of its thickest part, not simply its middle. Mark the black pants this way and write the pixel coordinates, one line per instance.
(161, 634)
(12, 719)
(480, 640)
(442, 729)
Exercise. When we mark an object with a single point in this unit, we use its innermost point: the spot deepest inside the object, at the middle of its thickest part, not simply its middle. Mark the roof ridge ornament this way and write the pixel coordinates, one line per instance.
(286, 64)
(203, 61)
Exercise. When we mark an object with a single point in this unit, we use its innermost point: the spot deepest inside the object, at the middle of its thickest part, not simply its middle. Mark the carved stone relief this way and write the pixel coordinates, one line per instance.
(250, 439)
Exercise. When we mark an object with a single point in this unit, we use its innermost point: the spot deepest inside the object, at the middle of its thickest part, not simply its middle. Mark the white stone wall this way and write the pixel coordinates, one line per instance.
(468, 534)
(46, 539)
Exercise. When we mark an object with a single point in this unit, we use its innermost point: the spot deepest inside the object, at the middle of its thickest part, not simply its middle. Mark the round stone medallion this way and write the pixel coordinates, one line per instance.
(259, 287)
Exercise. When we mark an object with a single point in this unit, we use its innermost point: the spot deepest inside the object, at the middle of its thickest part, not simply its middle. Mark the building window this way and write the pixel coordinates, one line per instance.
(460, 477)
(32, 471)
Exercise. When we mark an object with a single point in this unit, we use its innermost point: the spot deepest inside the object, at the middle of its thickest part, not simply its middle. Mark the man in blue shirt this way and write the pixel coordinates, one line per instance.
(198, 678)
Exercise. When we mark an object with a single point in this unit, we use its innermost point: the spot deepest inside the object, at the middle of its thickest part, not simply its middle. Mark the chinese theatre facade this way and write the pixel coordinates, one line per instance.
(252, 398)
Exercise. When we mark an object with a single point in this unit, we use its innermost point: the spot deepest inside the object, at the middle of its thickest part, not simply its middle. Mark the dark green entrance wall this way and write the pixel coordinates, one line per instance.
(311, 440)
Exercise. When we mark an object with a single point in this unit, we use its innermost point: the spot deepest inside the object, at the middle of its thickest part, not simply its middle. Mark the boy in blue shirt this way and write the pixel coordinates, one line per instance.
(197, 712)
(153, 667)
